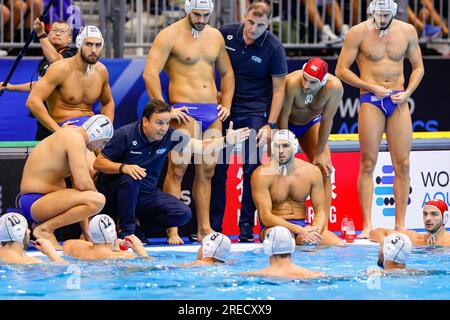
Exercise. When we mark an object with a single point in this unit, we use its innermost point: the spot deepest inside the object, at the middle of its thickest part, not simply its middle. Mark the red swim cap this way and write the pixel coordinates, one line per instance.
(316, 68)
(441, 206)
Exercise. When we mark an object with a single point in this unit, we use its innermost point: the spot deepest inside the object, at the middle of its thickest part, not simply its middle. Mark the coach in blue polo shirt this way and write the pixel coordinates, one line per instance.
(259, 63)
(131, 164)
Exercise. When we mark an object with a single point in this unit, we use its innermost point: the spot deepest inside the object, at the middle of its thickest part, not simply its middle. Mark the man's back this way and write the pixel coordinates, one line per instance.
(289, 271)
(48, 164)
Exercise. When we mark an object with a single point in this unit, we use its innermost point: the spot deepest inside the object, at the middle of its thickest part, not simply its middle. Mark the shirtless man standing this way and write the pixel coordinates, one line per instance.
(71, 86)
(188, 50)
(311, 100)
(435, 216)
(44, 199)
(379, 46)
(280, 189)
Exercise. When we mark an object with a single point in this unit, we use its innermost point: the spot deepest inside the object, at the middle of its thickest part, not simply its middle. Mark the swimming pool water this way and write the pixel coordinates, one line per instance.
(158, 278)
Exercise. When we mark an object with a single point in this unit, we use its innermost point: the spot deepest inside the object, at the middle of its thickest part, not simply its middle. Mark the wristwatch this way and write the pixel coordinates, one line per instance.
(42, 36)
(272, 125)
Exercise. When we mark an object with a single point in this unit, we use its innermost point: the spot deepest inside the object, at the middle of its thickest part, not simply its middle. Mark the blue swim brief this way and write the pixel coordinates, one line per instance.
(204, 113)
(299, 222)
(77, 121)
(299, 130)
(385, 104)
(26, 201)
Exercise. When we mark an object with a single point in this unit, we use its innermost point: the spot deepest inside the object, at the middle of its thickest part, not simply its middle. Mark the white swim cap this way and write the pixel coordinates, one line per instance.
(88, 32)
(99, 129)
(216, 245)
(13, 227)
(397, 247)
(279, 240)
(102, 229)
(190, 5)
(382, 5)
(288, 135)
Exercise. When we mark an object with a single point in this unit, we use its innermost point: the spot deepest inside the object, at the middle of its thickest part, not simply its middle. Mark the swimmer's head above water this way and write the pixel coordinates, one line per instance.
(102, 229)
(394, 251)
(198, 12)
(217, 246)
(382, 12)
(284, 148)
(14, 228)
(279, 241)
(435, 216)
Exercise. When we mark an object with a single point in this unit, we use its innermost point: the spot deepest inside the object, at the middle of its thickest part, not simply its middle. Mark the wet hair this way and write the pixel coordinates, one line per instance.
(62, 21)
(7, 243)
(155, 106)
(283, 255)
(260, 8)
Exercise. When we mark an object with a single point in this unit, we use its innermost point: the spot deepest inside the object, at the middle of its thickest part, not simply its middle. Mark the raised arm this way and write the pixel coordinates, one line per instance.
(43, 88)
(49, 51)
(156, 60)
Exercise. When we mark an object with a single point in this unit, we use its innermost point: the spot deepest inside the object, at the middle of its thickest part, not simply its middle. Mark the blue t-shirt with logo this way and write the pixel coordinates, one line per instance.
(129, 145)
(253, 66)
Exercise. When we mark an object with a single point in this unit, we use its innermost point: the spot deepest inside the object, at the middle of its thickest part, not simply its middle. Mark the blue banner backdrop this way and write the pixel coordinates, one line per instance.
(429, 104)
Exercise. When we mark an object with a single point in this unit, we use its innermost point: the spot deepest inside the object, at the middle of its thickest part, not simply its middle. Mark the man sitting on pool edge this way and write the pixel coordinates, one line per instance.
(280, 189)
(435, 216)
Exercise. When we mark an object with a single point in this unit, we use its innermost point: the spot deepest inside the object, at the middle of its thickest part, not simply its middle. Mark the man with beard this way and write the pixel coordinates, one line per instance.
(280, 189)
(15, 239)
(379, 46)
(189, 50)
(311, 101)
(71, 86)
(435, 216)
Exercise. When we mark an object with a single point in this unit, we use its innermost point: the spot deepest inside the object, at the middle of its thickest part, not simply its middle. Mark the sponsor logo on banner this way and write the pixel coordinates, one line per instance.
(384, 191)
(428, 180)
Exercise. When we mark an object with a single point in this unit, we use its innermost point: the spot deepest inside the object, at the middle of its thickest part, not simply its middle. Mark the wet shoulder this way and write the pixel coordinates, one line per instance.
(264, 173)
(307, 169)
(294, 78)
